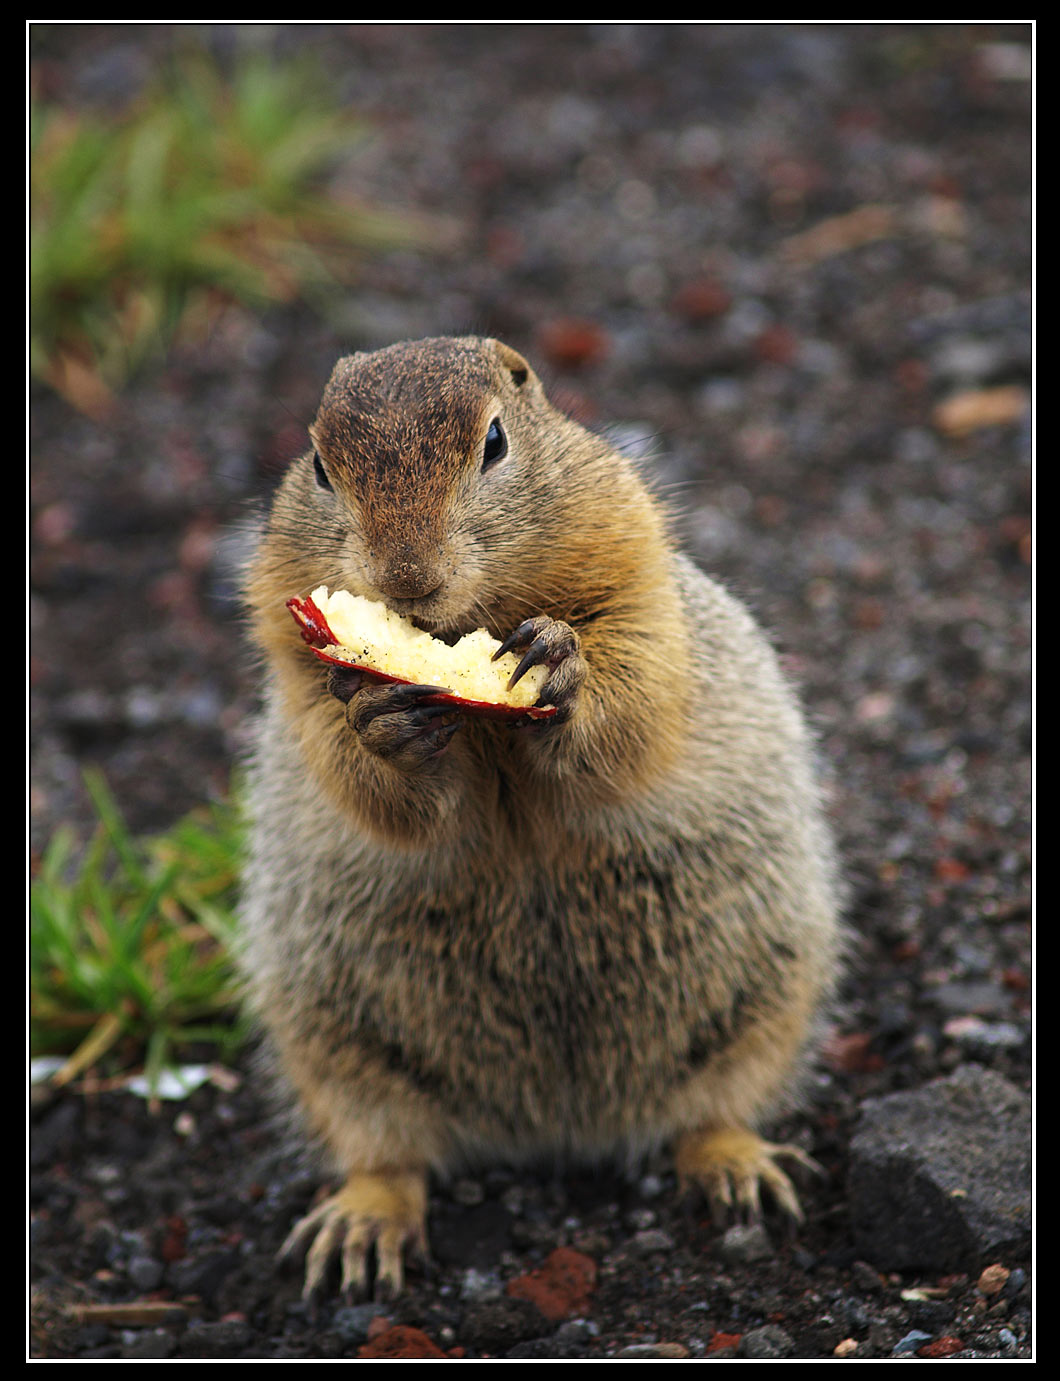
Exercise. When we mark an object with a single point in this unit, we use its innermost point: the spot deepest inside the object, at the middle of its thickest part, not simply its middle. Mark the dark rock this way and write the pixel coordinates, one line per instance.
(497, 1325)
(940, 1177)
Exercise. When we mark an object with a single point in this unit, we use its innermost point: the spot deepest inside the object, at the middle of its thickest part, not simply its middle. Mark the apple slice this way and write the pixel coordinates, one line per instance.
(349, 630)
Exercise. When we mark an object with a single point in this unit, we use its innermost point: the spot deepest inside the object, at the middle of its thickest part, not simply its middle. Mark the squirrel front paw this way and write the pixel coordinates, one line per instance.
(544, 641)
(391, 721)
(381, 1215)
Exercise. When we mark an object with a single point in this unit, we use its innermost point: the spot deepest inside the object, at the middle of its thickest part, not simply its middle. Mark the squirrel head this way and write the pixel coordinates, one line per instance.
(436, 460)
(443, 483)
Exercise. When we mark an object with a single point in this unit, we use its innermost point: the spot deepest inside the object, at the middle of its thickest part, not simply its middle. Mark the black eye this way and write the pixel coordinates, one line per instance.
(320, 472)
(496, 447)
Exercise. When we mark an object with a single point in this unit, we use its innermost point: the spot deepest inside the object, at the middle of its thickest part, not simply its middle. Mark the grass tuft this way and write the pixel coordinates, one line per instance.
(208, 190)
(130, 957)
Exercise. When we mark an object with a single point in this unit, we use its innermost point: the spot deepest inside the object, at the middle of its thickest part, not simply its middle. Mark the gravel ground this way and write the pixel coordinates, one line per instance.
(790, 266)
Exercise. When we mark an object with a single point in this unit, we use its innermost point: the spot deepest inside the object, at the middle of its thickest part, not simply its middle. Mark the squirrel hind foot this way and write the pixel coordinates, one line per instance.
(381, 1216)
(731, 1165)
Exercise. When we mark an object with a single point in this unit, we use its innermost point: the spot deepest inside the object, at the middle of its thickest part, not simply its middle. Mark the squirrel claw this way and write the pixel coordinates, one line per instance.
(535, 654)
(548, 642)
(386, 1212)
(401, 697)
(732, 1164)
(521, 635)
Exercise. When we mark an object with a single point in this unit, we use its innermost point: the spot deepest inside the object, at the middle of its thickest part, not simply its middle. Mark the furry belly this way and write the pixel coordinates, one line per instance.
(543, 1029)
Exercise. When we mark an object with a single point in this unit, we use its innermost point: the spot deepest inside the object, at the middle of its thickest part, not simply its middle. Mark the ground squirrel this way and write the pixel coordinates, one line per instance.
(604, 932)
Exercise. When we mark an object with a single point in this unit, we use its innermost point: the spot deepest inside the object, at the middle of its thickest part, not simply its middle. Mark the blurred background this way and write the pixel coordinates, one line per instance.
(769, 255)
(788, 266)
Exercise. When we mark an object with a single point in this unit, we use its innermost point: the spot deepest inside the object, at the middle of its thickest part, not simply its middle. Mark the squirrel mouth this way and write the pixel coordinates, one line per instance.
(434, 626)
(445, 635)
(447, 625)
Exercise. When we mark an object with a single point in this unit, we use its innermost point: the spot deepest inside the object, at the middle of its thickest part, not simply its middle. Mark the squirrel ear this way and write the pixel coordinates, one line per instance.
(513, 362)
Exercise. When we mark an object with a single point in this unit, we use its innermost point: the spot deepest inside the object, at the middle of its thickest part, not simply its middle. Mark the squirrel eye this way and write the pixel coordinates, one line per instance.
(320, 472)
(496, 447)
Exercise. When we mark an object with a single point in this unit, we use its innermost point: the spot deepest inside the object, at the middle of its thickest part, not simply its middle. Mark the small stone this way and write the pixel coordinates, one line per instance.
(973, 1034)
(847, 1348)
(496, 1325)
(993, 1279)
(145, 1272)
(562, 1287)
(769, 1341)
(744, 1243)
(941, 1347)
(576, 1331)
(989, 407)
(726, 1343)
(853, 1314)
(866, 1277)
(401, 1341)
(480, 1285)
(910, 1343)
(353, 1321)
(154, 1346)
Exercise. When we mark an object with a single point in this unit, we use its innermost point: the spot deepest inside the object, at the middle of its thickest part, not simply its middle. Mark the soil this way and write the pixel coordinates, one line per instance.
(770, 257)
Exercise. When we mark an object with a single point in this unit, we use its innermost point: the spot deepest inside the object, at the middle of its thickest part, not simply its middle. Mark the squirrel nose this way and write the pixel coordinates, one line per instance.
(408, 580)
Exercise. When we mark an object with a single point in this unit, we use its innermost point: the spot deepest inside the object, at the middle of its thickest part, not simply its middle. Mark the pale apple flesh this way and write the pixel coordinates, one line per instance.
(349, 630)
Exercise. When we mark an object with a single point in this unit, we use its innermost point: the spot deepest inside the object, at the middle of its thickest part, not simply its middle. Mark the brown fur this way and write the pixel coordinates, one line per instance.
(608, 932)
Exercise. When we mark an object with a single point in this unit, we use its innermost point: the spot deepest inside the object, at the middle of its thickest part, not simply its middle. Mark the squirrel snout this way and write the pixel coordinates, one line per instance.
(407, 579)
